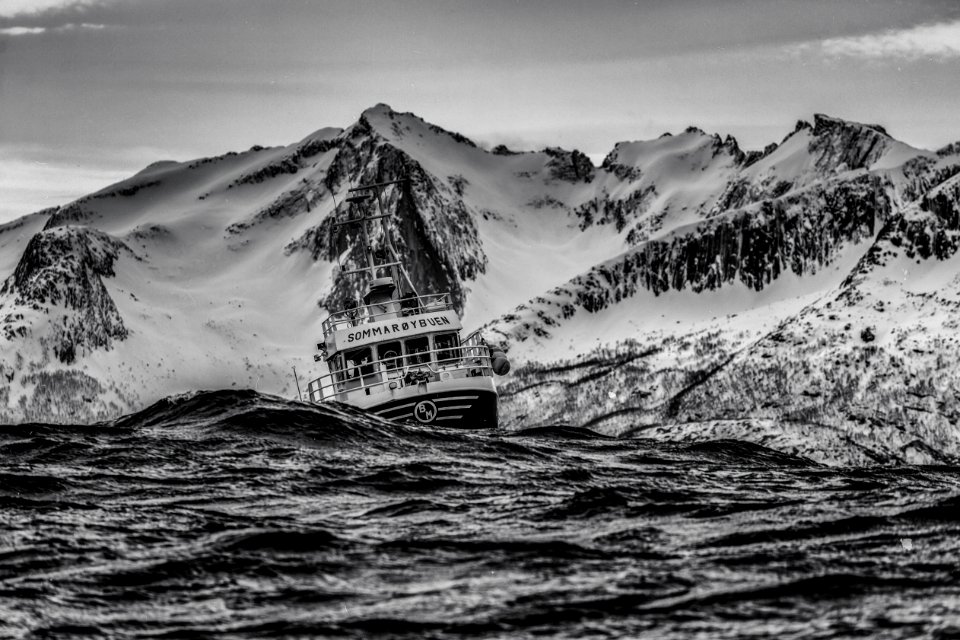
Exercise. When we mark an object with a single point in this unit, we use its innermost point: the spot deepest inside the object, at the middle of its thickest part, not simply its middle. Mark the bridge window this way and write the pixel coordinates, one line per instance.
(358, 363)
(418, 351)
(446, 345)
(389, 355)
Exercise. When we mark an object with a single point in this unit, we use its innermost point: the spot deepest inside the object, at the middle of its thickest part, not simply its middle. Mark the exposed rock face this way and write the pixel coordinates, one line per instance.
(503, 150)
(944, 204)
(839, 143)
(616, 211)
(289, 164)
(73, 213)
(569, 166)
(290, 204)
(800, 233)
(64, 267)
(951, 149)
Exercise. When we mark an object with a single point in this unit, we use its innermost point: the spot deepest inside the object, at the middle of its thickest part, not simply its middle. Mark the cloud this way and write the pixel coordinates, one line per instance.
(22, 31)
(938, 40)
(70, 26)
(64, 28)
(21, 8)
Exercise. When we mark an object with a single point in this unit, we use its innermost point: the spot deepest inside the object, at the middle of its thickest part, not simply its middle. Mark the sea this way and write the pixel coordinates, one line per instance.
(230, 514)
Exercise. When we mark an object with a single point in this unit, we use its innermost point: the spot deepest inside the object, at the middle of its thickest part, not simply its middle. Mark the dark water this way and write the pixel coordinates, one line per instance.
(235, 515)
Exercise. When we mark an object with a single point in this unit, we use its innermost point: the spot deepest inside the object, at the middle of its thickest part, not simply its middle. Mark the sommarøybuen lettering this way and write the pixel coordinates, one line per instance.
(396, 327)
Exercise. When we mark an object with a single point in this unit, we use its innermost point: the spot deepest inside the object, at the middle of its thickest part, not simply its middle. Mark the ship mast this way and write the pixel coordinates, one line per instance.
(361, 195)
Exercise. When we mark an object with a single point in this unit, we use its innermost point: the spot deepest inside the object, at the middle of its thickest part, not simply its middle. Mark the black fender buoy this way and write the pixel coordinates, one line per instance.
(501, 366)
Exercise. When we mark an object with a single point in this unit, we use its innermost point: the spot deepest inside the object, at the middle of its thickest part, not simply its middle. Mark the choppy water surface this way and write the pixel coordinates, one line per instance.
(235, 515)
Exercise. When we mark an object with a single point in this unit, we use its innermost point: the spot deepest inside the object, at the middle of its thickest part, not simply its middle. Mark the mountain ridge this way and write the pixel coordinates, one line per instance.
(232, 254)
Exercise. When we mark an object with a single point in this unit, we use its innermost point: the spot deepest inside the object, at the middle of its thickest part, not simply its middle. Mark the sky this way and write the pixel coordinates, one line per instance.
(92, 91)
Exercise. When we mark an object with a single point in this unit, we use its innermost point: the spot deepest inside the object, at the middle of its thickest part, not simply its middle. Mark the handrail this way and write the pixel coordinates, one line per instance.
(474, 334)
(471, 358)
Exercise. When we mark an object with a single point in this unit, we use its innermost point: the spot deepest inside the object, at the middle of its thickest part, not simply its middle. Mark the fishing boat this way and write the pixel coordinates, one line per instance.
(398, 353)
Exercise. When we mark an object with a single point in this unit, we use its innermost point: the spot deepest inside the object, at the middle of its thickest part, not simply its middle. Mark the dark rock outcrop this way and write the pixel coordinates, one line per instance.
(64, 267)
(569, 166)
(289, 164)
(800, 233)
(838, 143)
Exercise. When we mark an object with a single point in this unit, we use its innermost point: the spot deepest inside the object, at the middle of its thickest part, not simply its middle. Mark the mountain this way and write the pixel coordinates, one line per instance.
(643, 293)
(812, 310)
(216, 272)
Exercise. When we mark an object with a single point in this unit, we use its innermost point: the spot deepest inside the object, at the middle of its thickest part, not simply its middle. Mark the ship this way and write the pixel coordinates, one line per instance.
(397, 353)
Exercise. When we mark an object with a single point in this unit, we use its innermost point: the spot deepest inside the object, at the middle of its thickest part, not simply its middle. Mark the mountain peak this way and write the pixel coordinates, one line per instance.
(823, 123)
(381, 108)
(394, 125)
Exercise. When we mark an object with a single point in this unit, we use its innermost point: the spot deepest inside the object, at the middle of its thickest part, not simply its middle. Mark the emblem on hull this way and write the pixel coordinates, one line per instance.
(425, 411)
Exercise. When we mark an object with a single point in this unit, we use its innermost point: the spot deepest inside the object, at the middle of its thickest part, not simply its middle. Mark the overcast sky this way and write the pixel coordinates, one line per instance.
(94, 90)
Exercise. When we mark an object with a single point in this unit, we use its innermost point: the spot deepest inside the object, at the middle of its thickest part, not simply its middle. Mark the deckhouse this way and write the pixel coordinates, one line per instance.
(401, 355)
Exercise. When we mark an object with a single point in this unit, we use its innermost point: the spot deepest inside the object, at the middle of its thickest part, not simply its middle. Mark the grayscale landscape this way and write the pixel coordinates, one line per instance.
(717, 243)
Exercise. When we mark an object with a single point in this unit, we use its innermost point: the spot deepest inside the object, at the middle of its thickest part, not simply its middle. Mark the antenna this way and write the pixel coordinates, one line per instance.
(297, 380)
(332, 241)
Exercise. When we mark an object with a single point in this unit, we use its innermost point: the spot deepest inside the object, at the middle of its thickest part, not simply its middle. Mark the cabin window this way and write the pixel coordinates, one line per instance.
(418, 351)
(446, 345)
(389, 355)
(358, 363)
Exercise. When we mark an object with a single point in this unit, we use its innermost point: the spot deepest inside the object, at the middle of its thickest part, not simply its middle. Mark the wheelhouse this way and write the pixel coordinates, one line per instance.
(381, 347)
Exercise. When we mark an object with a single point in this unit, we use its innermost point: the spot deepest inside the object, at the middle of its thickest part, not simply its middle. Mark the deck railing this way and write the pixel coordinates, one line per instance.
(403, 307)
(470, 359)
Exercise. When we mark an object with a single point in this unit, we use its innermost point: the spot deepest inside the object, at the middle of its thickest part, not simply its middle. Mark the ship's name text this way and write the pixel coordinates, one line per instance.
(396, 327)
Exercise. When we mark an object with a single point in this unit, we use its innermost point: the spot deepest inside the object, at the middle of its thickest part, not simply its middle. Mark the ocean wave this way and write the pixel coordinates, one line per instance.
(248, 413)
(560, 432)
(852, 525)
(743, 451)
(234, 514)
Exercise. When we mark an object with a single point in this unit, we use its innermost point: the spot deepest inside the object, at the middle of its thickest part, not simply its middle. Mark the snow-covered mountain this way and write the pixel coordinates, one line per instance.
(815, 310)
(216, 272)
(684, 259)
